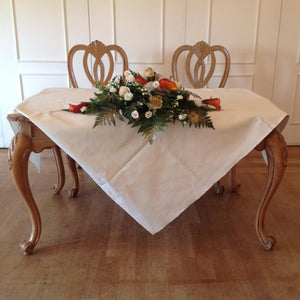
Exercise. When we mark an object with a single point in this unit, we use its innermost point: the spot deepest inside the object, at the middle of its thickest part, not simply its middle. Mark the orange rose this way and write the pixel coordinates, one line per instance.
(214, 102)
(167, 84)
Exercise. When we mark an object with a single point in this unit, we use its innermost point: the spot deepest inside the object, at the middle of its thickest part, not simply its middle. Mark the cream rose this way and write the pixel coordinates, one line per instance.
(112, 89)
(128, 96)
(155, 84)
(135, 114)
(123, 90)
(156, 102)
(149, 72)
(148, 114)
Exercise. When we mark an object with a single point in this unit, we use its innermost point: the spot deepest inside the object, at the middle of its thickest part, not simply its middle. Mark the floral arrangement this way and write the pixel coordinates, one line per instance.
(147, 102)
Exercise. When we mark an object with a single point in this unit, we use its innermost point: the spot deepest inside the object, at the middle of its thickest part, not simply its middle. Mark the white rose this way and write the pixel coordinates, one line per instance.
(112, 89)
(198, 102)
(182, 117)
(135, 114)
(83, 109)
(149, 87)
(130, 78)
(117, 80)
(128, 96)
(179, 97)
(155, 84)
(123, 90)
(127, 73)
(148, 114)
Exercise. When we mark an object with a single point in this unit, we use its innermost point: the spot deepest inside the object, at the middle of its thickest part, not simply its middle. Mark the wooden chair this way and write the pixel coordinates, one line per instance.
(94, 69)
(198, 57)
(97, 73)
(195, 58)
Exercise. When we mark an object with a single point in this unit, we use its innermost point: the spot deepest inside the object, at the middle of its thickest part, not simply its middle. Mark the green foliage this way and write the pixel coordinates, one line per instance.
(149, 107)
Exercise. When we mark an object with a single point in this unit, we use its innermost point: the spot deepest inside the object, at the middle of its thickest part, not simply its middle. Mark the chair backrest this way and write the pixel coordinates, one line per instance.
(97, 50)
(195, 59)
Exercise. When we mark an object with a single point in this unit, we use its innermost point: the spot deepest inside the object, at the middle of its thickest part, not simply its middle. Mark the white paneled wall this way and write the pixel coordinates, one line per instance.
(37, 35)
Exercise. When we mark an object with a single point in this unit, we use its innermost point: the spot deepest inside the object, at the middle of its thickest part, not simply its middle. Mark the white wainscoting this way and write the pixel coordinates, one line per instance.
(262, 37)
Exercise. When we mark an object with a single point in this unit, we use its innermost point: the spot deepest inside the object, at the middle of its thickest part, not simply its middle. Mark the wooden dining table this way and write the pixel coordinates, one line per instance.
(33, 136)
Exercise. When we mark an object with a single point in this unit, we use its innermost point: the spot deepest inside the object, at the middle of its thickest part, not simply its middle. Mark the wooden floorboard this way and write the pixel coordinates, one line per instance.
(91, 249)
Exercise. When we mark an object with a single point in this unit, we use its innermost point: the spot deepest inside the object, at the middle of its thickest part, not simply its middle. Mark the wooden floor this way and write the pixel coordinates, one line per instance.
(91, 249)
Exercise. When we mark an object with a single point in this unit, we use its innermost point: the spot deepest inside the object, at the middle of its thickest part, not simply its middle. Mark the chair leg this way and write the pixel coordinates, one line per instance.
(234, 185)
(219, 189)
(60, 170)
(72, 166)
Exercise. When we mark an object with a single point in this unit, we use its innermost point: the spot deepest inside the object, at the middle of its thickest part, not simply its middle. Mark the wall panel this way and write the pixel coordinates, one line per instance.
(295, 117)
(234, 25)
(33, 83)
(40, 30)
(139, 28)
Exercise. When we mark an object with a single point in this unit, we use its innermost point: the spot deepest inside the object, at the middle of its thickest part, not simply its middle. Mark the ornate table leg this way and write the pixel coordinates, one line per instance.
(19, 151)
(60, 170)
(276, 150)
(72, 166)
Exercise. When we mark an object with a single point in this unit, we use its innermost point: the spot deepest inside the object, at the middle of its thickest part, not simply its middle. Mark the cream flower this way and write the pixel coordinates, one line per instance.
(182, 117)
(112, 89)
(135, 114)
(117, 80)
(156, 102)
(178, 85)
(179, 97)
(149, 72)
(127, 73)
(128, 96)
(148, 114)
(83, 109)
(198, 102)
(130, 78)
(123, 90)
(155, 84)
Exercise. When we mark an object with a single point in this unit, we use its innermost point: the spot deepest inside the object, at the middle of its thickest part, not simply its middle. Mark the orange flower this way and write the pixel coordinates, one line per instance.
(214, 102)
(141, 80)
(75, 108)
(167, 84)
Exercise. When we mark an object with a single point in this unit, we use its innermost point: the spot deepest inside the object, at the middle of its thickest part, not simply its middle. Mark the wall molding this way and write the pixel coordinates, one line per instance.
(293, 104)
(16, 35)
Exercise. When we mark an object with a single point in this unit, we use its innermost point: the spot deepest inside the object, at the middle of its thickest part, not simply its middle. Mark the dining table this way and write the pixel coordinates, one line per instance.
(154, 183)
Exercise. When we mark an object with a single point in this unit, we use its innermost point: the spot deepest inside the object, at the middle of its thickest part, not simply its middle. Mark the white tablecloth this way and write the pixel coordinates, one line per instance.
(155, 183)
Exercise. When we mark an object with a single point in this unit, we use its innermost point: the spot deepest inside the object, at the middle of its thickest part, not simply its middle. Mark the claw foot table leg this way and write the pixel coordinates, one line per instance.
(276, 150)
(19, 151)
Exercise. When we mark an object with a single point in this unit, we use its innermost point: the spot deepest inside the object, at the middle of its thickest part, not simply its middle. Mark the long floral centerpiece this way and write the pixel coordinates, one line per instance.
(147, 102)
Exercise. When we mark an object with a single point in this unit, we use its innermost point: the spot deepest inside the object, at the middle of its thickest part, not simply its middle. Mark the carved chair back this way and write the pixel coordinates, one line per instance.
(96, 72)
(195, 63)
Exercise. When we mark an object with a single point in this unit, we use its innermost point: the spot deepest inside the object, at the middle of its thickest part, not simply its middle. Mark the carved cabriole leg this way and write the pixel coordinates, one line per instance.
(60, 170)
(234, 185)
(276, 150)
(19, 151)
(72, 166)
